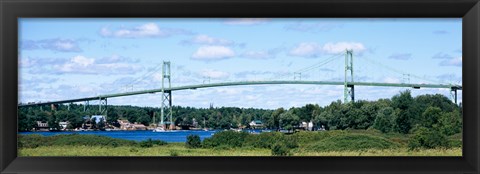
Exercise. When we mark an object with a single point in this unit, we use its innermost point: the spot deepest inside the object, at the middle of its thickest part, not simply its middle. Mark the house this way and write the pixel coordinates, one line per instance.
(124, 124)
(256, 124)
(306, 126)
(194, 123)
(42, 126)
(63, 124)
(138, 126)
(98, 118)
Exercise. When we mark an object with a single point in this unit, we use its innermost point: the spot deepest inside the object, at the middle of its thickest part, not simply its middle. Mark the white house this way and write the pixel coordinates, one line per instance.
(97, 118)
(63, 124)
(256, 123)
(307, 126)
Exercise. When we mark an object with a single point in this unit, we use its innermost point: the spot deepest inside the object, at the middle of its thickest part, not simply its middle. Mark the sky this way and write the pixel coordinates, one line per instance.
(71, 58)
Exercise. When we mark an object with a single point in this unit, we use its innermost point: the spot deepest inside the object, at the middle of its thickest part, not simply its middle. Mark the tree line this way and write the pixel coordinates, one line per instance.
(402, 113)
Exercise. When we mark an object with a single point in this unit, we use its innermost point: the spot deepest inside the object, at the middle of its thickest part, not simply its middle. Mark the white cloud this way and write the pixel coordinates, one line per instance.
(246, 21)
(58, 44)
(213, 53)
(81, 65)
(452, 62)
(339, 47)
(306, 49)
(25, 62)
(233, 90)
(215, 74)
(312, 49)
(105, 31)
(258, 54)
(145, 30)
(83, 61)
(207, 40)
(442, 55)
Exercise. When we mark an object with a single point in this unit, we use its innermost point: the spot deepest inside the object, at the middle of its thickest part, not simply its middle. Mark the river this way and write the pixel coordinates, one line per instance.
(173, 136)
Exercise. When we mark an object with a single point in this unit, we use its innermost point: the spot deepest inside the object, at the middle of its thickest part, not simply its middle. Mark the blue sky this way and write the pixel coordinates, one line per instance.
(72, 58)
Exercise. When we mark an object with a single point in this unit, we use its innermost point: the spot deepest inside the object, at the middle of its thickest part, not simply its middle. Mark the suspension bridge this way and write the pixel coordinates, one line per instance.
(166, 88)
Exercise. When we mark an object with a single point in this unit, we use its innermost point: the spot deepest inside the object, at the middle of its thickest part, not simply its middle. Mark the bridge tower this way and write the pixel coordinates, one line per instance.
(453, 93)
(102, 107)
(349, 89)
(166, 108)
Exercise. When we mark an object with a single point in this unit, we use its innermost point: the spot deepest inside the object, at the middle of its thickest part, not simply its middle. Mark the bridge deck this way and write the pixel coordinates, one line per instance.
(457, 87)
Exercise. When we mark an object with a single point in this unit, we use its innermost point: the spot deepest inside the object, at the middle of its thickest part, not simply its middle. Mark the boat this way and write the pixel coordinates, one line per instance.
(159, 129)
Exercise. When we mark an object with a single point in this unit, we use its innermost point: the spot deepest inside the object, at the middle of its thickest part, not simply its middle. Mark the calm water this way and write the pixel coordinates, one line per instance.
(175, 136)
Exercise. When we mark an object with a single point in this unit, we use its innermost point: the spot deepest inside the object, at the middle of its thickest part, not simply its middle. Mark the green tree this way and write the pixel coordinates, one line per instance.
(385, 120)
(402, 103)
(53, 121)
(23, 122)
(288, 120)
(450, 122)
(430, 117)
(273, 121)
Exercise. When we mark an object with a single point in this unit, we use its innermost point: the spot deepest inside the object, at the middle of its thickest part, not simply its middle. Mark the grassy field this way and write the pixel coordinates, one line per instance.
(176, 149)
(171, 149)
(326, 143)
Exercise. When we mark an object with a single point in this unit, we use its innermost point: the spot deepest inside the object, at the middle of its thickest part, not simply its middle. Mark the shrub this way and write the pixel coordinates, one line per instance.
(227, 138)
(146, 144)
(351, 142)
(173, 153)
(427, 138)
(158, 142)
(263, 140)
(114, 144)
(267, 140)
(280, 149)
(193, 141)
(35, 140)
(149, 143)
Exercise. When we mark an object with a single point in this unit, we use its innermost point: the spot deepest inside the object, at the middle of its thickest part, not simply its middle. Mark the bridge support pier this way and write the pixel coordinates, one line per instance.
(351, 93)
(85, 106)
(453, 93)
(166, 108)
(349, 89)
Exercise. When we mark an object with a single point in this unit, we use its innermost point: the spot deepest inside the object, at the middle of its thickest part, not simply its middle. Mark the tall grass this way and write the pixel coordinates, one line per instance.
(172, 149)
(179, 149)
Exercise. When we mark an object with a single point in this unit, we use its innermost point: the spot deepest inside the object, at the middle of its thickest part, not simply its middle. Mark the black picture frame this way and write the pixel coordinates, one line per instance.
(11, 10)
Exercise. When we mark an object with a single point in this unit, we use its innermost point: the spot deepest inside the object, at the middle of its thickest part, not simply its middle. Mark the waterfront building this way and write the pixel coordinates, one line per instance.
(256, 124)
(41, 126)
(98, 118)
(63, 124)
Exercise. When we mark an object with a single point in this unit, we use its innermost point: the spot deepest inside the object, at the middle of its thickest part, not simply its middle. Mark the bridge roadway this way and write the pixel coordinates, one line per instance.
(239, 83)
